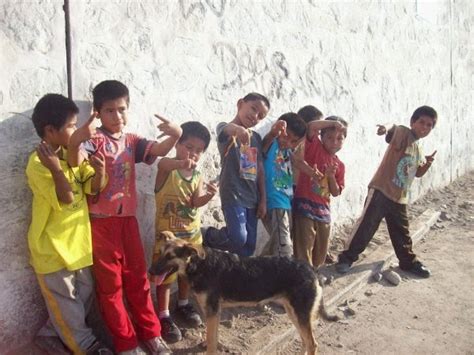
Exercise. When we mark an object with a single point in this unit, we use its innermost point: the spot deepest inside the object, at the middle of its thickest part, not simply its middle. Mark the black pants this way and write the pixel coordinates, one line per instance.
(377, 207)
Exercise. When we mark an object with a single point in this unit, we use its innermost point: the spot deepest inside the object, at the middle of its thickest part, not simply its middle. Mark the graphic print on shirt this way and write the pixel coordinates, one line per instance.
(248, 162)
(178, 214)
(282, 175)
(321, 187)
(406, 169)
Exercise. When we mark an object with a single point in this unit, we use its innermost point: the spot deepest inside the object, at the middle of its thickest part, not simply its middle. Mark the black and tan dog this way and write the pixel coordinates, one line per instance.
(220, 279)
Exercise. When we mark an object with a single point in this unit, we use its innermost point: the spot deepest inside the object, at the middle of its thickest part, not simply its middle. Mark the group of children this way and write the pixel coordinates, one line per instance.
(84, 236)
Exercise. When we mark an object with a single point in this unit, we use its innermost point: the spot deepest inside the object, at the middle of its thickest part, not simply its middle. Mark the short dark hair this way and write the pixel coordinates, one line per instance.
(424, 111)
(254, 96)
(310, 113)
(334, 118)
(294, 123)
(53, 110)
(109, 90)
(197, 130)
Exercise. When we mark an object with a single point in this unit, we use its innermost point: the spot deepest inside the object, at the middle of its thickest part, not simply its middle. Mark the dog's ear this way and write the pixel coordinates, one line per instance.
(164, 236)
(194, 249)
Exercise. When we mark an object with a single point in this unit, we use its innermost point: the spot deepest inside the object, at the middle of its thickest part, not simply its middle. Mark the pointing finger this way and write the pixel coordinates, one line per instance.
(162, 119)
(432, 155)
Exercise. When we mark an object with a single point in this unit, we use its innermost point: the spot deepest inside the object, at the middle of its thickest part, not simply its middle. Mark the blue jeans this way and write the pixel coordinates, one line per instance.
(239, 236)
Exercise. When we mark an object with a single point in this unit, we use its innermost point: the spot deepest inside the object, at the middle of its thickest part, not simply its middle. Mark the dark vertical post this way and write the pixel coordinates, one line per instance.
(68, 48)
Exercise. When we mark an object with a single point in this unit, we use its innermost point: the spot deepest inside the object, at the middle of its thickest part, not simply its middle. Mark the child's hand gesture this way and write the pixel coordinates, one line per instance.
(48, 157)
(188, 164)
(85, 132)
(243, 135)
(316, 174)
(430, 158)
(381, 130)
(279, 129)
(331, 170)
(97, 161)
(211, 188)
(168, 128)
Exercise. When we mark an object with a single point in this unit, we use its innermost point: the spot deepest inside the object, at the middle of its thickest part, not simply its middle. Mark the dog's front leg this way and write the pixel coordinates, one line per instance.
(212, 330)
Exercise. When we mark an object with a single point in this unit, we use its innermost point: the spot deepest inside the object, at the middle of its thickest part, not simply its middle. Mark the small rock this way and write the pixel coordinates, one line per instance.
(368, 293)
(329, 280)
(415, 316)
(392, 277)
(322, 279)
(349, 312)
(217, 216)
(339, 345)
(377, 276)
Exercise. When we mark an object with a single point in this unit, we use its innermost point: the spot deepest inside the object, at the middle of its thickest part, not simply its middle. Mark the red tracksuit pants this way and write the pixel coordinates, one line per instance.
(120, 270)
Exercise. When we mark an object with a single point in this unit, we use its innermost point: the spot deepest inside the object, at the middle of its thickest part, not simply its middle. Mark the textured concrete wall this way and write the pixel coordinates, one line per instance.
(368, 62)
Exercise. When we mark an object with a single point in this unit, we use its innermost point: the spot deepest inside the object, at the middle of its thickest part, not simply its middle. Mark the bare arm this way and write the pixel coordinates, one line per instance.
(424, 168)
(315, 126)
(242, 134)
(166, 165)
(334, 188)
(51, 161)
(301, 164)
(278, 128)
(82, 134)
(172, 130)
(98, 180)
(203, 195)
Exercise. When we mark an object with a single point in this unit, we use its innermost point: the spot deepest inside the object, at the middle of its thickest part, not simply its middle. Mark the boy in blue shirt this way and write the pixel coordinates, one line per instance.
(278, 145)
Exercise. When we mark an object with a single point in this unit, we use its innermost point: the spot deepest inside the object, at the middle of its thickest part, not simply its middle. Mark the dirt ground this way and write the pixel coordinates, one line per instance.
(419, 316)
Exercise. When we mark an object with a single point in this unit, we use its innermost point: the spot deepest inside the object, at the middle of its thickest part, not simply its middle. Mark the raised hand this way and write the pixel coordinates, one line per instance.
(279, 129)
(211, 188)
(48, 156)
(168, 128)
(243, 135)
(97, 161)
(188, 164)
(430, 158)
(85, 132)
(381, 130)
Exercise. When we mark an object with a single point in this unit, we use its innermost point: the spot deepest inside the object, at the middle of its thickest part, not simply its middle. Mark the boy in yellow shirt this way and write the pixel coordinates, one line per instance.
(179, 192)
(59, 236)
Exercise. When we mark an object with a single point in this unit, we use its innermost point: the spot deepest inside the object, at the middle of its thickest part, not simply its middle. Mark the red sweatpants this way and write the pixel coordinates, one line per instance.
(120, 270)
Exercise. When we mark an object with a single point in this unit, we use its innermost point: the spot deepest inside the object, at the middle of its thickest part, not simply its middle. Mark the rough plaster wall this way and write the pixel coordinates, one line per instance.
(368, 62)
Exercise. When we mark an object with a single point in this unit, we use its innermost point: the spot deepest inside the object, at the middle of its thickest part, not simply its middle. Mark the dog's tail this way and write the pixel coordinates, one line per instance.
(324, 313)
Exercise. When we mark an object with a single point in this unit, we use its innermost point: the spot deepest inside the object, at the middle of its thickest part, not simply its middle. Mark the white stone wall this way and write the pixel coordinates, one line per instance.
(369, 62)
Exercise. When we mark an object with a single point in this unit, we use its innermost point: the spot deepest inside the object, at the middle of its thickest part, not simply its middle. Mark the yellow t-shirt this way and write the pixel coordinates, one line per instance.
(60, 234)
(173, 212)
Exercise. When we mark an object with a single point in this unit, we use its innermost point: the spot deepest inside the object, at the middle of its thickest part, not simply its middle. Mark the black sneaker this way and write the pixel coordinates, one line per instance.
(189, 315)
(418, 269)
(169, 331)
(343, 267)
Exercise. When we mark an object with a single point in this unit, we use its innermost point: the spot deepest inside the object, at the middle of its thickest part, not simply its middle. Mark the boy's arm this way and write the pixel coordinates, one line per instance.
(51, 161)
(278, 128)
(297, 160)
(334, 187)
(202, 196)
(172, 130)
(424, 168)
(166, 165)
(315, 126)
(262, 203)
(242, 134)
(99, 180)
(82, 134)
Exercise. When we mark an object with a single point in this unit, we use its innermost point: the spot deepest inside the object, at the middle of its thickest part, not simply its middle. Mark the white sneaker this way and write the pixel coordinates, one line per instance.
(136, 351)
